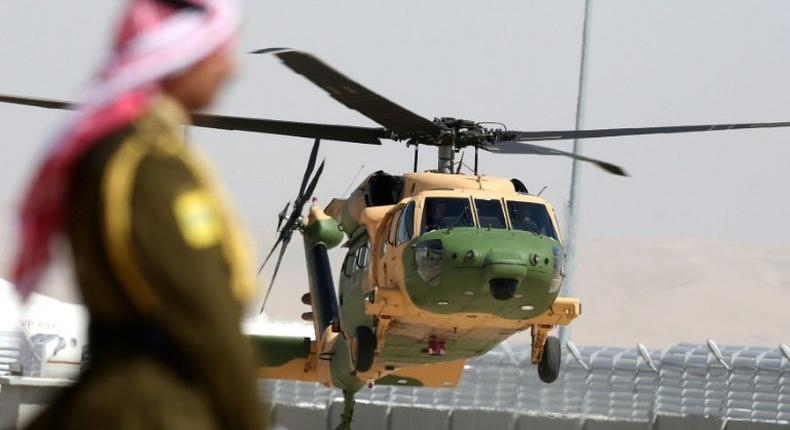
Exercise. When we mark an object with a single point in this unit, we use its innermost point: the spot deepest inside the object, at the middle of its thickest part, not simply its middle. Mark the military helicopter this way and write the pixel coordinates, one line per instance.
(440, 266)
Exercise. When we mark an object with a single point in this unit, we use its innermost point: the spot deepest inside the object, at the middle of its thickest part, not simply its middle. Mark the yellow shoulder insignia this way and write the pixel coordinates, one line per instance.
(198, 218)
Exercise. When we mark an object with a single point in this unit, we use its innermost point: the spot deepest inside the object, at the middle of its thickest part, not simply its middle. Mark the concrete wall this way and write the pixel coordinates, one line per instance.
(377, 416)
(21, 398)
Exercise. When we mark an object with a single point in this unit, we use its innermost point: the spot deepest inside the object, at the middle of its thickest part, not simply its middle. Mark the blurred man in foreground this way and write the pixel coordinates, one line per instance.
(160, 260)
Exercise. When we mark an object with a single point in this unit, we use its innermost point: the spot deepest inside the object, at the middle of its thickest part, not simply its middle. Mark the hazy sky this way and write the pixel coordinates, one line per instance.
(651, 63)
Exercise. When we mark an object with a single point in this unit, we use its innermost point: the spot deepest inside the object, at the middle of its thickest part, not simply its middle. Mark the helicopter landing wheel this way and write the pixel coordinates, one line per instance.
(363, 348)
(549, 366)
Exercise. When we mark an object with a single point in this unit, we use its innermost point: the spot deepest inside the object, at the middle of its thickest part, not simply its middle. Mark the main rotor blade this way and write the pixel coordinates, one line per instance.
(37, 102)
(533, 136)
(350, 93)
(310, 166)
(372, 135)
(343, 133)
(528, 148)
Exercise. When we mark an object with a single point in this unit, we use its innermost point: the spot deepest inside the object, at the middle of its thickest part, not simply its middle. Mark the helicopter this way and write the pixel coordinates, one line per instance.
(439, 266)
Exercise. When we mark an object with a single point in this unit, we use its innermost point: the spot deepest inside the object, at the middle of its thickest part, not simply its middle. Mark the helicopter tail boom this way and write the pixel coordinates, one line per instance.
(285, 357)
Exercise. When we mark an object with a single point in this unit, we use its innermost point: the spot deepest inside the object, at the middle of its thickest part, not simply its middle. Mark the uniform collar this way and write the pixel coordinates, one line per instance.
(170, 110)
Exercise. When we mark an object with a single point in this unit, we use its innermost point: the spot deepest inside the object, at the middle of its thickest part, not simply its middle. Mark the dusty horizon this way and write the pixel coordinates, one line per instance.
(656, 292)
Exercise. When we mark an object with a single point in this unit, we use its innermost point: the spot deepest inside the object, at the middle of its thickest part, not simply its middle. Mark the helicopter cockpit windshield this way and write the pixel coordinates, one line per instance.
(450, 212)
(532, 217)
(490, 213)
(446, 212)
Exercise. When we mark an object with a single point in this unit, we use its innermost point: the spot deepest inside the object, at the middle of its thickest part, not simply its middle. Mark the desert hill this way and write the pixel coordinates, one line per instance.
(658, 292)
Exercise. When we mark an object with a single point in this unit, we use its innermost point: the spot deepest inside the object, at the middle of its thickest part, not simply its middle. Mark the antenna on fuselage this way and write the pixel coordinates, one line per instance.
(350, 184)
(460, 165)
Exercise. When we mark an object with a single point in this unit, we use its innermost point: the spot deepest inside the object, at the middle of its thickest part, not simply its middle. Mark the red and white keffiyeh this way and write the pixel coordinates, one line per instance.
(157, 38)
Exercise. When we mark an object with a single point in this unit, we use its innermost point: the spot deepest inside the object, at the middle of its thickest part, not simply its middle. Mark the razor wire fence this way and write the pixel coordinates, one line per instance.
(732, 382)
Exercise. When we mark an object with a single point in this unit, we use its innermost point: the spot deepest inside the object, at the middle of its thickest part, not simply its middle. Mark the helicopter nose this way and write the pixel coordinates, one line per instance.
(502, 289)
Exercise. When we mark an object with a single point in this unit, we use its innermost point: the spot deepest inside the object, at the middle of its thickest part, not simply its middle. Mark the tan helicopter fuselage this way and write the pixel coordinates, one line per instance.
(418, 324)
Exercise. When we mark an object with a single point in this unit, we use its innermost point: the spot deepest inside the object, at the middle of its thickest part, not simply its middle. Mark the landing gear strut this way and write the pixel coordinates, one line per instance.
(546, 353)
(348, 411)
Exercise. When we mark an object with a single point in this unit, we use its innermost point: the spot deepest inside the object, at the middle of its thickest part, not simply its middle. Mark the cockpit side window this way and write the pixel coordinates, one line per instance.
(490, 213)
(532, 217)
(446, 212)
(363, 258)
(381, 243)
(393, 230)
(358, 257)
(406, 225)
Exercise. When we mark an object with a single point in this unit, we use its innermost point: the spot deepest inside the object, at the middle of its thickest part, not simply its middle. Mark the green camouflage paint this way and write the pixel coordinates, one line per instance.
(472, 257)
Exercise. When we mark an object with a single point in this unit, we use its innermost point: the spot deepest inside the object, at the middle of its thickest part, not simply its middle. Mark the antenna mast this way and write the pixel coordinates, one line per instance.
(573, 204)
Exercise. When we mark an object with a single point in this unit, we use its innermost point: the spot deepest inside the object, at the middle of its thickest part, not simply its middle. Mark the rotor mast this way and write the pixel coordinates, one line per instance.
(446, 159)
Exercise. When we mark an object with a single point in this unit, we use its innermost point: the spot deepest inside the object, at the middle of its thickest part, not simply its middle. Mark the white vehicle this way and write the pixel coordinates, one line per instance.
(43, 338)
(47, 338)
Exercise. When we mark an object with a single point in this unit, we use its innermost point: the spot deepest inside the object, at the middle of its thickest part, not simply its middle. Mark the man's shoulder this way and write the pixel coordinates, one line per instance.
(149, 135)
(93, 164)
(162, 127)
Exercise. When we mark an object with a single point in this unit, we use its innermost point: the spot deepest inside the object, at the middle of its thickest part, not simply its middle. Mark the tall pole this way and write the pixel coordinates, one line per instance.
(573, 203)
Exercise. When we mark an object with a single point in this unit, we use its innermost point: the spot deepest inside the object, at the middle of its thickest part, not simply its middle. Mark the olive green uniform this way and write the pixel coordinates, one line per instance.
(163, 270)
